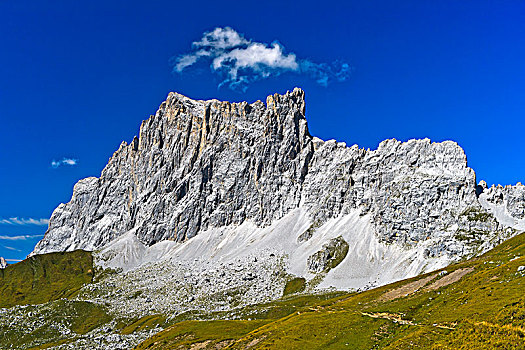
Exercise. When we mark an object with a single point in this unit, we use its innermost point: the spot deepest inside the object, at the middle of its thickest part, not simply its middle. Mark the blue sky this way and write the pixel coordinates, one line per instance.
(77, 78)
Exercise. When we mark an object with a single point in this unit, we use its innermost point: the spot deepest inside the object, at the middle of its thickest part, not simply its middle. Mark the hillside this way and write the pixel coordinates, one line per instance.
(475, 304)
(44, 278)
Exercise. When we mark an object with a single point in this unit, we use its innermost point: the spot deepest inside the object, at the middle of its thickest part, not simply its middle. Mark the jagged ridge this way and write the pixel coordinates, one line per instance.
(209, 164)
(195, 164)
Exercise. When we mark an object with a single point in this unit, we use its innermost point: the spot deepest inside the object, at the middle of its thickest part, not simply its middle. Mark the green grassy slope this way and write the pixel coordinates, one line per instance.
(42, 326)
(476, 304)
(43, 278)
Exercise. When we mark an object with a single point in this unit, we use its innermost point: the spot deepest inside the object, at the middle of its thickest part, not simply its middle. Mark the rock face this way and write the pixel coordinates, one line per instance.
(511, 197)
(199, 165)
(195, 164)
(3, 263)
(329, 256)
(506, 203)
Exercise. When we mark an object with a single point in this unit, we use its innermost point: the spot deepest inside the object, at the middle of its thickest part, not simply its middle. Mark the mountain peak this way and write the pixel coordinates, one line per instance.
(207, 168)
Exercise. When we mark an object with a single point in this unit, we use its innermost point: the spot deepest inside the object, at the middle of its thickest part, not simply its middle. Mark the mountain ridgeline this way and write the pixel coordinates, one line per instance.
(207, 167)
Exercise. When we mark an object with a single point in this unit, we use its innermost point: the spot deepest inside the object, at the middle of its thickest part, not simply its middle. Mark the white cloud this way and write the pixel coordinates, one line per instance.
(69, 161)
(241, 61)
(221, 39)
(11, 248)
(185, 61)
(19, 238)
(20, 221)
(13, 260)
(65, 161)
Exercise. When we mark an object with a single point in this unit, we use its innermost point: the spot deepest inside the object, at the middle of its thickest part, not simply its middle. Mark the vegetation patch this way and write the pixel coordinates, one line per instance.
(206, 334)
(483, 335)
(474, 304)
(86, 316)
(146, 322)
(50, 324)
(477, 214)
(471, 236)
(103, 273)
(295, 285)
(306, 235)
(43, 278)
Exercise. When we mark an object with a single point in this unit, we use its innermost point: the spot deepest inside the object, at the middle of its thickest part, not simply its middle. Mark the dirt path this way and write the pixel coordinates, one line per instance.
(388, 316)
(449, 279)
(415, 286)
(397, 318)
(406, 289)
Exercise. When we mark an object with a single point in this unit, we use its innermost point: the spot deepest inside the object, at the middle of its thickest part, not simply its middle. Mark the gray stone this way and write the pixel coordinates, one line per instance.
(329, 256)
(202, 164)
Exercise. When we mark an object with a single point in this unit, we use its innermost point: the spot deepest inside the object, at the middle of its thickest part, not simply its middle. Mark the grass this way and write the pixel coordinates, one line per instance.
(43, 283)
(483, 335)
(295, 285)
(206, 333)
(219, 333)
(484, 309)
(146, 322)
(43, 278)
(42, 324)
(270, 310)
(87, 316)
(476, 214)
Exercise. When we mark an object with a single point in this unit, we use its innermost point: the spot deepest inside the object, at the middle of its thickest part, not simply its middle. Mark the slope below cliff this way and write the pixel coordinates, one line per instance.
(476, 304)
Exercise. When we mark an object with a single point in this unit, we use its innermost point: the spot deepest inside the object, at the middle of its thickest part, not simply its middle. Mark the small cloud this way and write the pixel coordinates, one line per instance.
(65, 161)
(325, 73)
(20, 237)
(13, 260)
(11, 248)
(241, 61)
(29, 221)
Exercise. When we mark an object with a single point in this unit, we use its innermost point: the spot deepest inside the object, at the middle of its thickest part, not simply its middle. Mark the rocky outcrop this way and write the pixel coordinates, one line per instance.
(506, 204)
(512, 197)
(3, 263)
(209, 164)
(329, 256)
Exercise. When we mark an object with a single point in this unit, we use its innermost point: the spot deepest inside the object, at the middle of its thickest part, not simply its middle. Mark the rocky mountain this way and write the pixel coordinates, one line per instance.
(232, 214)
(3, 263)
(220, 181)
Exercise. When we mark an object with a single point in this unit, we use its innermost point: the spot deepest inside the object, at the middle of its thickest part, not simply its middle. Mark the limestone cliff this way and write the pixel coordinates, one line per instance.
(198, 165)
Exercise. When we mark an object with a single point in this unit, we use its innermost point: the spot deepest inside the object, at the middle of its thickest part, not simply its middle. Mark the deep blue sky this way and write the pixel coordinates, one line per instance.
(77, 78)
